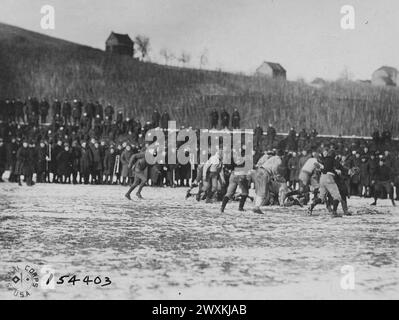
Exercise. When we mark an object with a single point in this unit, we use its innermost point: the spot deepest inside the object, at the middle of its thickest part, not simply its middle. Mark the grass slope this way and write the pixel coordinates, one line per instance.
(35, 64)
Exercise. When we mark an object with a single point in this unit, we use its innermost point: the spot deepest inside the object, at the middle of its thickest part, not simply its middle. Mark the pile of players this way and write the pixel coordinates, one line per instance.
(322, 177)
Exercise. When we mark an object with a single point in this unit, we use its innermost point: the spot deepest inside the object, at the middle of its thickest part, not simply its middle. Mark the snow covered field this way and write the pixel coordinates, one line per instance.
(165, 247)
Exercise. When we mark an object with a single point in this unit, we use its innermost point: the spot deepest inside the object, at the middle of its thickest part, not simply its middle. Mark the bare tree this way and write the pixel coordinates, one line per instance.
(204, 60)
(166, 54)
(172, 58)
(143, 45)
(184, 58)
(346, 75)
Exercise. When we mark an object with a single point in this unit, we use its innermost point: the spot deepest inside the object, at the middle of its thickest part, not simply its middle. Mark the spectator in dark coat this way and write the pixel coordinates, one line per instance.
(76, 156)
(24, 164)
(97, 164)
(56, 107)
(32, 106)
(109, 111)
(291, 140)
(235, 119)
(42, 154)
(225, 118)
(355, 174)
(43, 111)
(164, 120)
(3, 159)
(12, 150)
(90, 110)
(99, 110)
(303, 139)
(19, 111)
(156, 118)
(64, 165)
(11, 110)
(214, 117)
(376, 137)
(76, 112)
(258, 134)
(56, 150)
(125, 157)
(270, 136)
(109, 164)
(86, 163)
(66, 111)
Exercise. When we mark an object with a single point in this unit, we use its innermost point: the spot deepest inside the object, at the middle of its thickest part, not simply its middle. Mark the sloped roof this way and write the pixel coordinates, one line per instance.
(275, 66)
(121, 38)
(391, 71)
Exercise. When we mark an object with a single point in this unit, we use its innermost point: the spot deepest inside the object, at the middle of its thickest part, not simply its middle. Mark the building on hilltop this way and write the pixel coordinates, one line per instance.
(271, 70)
(385, 76)
(120, 44)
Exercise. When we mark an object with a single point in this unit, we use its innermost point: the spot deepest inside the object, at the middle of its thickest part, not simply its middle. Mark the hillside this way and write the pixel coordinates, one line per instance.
(35, 64)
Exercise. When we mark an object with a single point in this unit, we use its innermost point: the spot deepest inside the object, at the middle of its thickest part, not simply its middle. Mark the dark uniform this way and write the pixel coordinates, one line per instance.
(156, 117)
(24, 164)
(109, 111)
(270, 136)
(42, 169)
(235, 119)
(109, 165)
(384, 181)
(44, 109)
(225, 118)
(85, 163)
(66, 111)
(164, 120)
(214, 119)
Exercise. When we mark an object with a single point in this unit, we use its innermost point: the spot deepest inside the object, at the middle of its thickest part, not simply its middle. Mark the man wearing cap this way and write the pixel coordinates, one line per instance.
(384, 180)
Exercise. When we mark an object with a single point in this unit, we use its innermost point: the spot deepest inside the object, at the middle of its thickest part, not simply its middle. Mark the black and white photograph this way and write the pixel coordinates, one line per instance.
(192, 150)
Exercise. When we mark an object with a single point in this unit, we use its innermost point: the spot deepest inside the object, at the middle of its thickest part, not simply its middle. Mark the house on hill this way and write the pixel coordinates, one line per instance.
(385, 76)
(271, 70)
(119, 44)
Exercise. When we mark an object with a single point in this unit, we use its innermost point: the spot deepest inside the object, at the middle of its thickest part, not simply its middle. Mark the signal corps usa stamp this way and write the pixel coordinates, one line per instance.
(22, 280)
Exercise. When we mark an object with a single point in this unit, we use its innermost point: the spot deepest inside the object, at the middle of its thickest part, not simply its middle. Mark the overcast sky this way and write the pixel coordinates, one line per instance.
(304, 36)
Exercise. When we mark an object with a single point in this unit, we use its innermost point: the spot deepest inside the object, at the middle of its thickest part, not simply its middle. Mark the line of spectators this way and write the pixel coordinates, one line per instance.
(85, 143)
